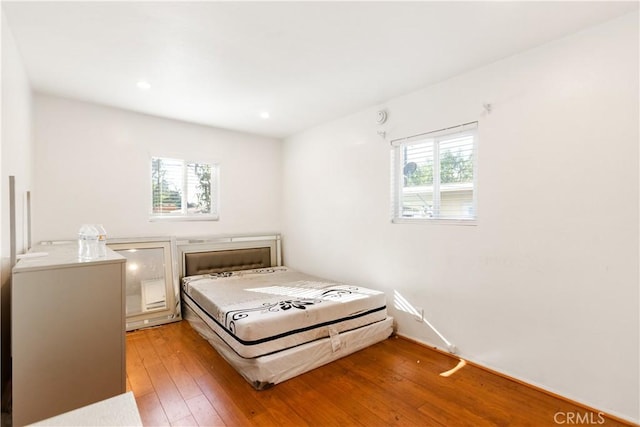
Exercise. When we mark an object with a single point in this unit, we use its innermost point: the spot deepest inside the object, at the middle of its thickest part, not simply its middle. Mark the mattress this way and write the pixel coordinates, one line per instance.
(266, 371)
(262, 311)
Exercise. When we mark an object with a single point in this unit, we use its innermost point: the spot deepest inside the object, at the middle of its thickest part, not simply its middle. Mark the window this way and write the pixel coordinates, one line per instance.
(434, 175)
(185, 190)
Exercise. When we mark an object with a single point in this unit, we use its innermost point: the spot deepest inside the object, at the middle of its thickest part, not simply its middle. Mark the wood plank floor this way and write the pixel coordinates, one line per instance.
(179, 380)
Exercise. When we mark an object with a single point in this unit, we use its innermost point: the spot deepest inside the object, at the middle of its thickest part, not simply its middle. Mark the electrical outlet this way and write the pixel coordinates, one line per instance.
(419, 315)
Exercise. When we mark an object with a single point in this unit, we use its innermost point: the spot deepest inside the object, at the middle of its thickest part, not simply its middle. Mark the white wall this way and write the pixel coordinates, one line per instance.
(16, 159)
(93, 166)
(545, 286)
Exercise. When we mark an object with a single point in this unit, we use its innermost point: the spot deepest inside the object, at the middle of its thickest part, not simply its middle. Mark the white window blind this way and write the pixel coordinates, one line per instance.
(182, 189)
(434, 175)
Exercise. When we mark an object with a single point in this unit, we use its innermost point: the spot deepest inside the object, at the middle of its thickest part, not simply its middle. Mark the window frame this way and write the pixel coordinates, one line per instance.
(184, 215)
(398, 146)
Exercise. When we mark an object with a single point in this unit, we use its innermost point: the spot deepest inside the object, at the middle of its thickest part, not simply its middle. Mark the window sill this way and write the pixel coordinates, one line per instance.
(435, 221)
(171, 218)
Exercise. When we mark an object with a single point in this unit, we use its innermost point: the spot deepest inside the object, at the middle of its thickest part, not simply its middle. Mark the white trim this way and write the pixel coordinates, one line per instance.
(435, 221)
(472, 126)
(436, 179)
(183, 217)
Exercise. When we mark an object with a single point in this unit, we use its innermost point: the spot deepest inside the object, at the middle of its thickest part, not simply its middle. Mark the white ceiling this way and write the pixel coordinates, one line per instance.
(223, 63)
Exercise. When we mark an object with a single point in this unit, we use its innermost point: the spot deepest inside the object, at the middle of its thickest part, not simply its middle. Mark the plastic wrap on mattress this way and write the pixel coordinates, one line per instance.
(266, 371)
(258, 312)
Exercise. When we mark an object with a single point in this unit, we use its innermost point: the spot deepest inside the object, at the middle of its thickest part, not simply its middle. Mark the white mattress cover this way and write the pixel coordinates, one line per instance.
(253, 310)
(266, 371)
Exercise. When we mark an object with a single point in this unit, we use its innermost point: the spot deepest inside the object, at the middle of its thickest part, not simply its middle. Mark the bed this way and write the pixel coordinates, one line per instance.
(269, 321)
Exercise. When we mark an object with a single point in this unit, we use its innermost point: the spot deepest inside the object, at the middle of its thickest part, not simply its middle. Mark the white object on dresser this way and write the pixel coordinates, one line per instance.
(68, 332)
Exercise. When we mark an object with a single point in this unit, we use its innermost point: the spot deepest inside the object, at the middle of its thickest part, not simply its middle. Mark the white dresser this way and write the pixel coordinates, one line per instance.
(67, 332)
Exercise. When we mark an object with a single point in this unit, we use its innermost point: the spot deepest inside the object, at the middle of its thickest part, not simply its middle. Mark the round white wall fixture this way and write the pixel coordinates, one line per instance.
(381, 117)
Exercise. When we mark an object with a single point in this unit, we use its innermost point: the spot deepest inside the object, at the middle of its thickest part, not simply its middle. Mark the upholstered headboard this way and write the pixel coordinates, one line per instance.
(220, 254)
(229, 260)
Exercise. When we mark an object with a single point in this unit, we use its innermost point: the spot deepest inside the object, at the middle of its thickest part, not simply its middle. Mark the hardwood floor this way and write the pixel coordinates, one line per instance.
(178, 379)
